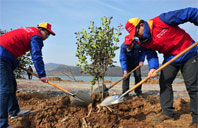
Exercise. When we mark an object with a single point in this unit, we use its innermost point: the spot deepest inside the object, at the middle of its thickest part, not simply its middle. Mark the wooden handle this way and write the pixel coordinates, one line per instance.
(124, 77)
(34, 74)
(62, 89)
(164, 65)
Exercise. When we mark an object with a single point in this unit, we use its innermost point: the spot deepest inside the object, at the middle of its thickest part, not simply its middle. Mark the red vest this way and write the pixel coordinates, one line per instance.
(167, 39)
(17, 42)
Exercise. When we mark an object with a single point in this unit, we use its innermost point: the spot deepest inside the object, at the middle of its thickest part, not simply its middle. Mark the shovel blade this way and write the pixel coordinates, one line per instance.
(112, 100)
(81, 99)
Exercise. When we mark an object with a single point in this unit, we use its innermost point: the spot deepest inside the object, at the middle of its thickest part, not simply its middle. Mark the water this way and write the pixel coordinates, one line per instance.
(89, 78)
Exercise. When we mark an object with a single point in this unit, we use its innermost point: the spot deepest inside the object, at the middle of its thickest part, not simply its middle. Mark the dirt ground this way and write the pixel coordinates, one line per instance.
(51, 108)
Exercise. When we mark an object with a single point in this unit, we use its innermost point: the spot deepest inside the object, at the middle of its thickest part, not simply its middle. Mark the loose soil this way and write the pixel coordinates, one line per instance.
(49, 110)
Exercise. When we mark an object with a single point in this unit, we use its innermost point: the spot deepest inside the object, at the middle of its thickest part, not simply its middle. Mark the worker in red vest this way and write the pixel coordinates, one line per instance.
(14, 44)
(163, 34)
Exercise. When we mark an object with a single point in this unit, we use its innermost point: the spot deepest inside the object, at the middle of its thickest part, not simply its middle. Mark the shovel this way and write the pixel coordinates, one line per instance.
(80, 97)
(122, 78)
(119, 99)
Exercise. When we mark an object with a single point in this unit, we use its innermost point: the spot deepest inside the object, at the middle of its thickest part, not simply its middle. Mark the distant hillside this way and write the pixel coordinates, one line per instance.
(60, 69)
(51, 66)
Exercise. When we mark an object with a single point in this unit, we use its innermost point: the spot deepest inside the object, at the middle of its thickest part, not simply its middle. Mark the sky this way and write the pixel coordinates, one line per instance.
(70, 16)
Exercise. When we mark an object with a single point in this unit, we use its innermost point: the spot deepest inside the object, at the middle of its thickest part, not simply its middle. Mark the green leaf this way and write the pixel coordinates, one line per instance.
(92, 23)
(79, 63)
(93, 82)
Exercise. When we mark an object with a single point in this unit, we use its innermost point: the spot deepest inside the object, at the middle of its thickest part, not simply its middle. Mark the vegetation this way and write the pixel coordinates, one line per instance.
(96, 49)
(24, 61)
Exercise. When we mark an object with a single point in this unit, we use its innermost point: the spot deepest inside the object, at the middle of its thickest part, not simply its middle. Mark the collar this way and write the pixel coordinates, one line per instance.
(147, 34)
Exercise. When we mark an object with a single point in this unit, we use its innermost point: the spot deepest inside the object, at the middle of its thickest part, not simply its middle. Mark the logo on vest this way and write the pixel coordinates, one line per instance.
(28, 29)
(159, 35)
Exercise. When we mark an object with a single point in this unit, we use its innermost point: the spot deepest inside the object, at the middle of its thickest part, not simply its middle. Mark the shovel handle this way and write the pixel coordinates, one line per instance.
(60, 88)
(123, 77)
(162, 67)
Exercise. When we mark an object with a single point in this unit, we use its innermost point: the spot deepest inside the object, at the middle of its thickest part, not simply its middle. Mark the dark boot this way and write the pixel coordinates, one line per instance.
(162, 117)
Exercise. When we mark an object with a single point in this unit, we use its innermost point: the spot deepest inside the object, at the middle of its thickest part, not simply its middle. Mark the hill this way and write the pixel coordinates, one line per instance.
(51, 66)
(61, 69)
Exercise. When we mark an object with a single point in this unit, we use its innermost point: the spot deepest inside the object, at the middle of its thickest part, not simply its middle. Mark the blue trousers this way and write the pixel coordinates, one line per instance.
(8, 99)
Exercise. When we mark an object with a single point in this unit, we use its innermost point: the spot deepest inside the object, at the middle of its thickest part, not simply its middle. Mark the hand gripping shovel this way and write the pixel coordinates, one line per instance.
(80, 97)
(119, 99)
(122, 78)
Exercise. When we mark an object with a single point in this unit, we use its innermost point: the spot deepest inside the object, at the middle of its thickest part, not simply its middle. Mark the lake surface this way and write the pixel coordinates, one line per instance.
(89, 78)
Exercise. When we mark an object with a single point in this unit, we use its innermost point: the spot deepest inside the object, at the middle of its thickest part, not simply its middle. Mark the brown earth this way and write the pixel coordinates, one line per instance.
(49, 110)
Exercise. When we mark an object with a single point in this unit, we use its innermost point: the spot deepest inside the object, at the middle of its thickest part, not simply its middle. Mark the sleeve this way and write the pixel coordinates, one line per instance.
(181, 16)
(152, 58)
(142, 54)
(36, 45)
(123, 59)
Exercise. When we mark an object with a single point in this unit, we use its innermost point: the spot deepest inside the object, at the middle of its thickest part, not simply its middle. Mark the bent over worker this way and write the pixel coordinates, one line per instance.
(163, 34)
(14, 44)
(130, 57)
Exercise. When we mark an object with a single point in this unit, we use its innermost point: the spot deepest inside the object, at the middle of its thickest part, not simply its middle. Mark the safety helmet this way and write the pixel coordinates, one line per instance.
(131, 26)
(128, 40)
(46, 26)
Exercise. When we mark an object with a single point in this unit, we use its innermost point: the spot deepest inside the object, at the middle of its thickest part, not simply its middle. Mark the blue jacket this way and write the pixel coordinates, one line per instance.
(131, 56)
(175, 18)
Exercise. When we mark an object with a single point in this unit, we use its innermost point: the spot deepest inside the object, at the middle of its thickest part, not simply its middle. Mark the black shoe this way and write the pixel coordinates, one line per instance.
(140, 94)
(125, 98)
(162, 117)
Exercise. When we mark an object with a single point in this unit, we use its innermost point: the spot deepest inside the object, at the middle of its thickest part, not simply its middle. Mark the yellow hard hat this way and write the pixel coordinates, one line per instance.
(46, 26)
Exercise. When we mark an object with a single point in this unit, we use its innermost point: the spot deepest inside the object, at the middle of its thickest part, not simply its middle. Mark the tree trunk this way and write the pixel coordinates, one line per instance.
(103, 88)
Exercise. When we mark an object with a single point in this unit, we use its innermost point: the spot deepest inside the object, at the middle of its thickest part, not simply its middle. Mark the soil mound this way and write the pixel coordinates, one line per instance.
(50, 111)
(54, 79)
(152, 81)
